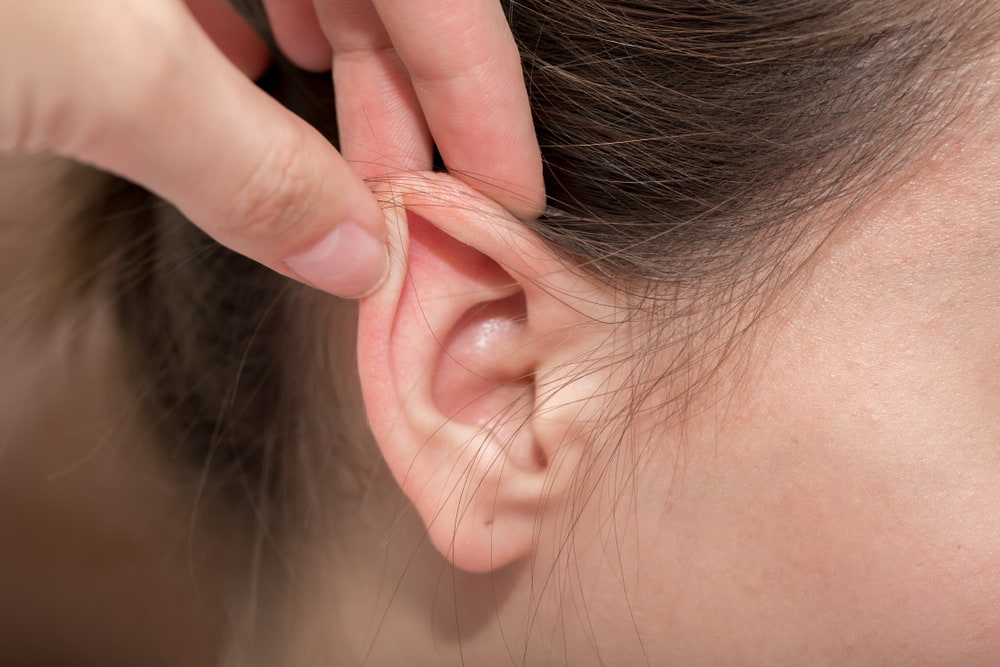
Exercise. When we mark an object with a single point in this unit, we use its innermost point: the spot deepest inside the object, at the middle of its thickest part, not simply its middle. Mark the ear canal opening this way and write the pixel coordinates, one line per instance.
(478, 381)
(462, 356)
(484, 378)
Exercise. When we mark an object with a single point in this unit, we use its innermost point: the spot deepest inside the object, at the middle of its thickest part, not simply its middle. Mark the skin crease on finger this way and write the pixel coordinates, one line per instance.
(396, 88)
(830, 499)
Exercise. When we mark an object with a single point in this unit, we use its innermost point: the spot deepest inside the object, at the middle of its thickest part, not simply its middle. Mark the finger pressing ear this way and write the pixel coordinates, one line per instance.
(382, 127)
(462, 358)
(466, 72)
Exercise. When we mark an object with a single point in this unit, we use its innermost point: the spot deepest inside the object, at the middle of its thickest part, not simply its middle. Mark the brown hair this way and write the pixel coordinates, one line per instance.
(679, 136)
(684, 141)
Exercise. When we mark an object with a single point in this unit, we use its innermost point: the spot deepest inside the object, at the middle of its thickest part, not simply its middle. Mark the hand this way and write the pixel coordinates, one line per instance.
(136, 87)
(413, 73)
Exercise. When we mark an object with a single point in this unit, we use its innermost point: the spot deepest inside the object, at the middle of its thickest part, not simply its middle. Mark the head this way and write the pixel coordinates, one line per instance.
(733, 398)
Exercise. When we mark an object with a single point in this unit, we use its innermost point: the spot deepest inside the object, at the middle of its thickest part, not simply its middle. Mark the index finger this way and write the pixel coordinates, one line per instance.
(466, 71)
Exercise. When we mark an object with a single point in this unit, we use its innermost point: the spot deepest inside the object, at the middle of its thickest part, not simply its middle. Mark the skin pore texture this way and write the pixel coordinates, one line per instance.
(826, 496)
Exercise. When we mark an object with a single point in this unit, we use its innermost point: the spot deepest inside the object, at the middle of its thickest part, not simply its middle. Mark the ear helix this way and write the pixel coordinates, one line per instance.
(451, 353)
(447, 378)
(483, 370)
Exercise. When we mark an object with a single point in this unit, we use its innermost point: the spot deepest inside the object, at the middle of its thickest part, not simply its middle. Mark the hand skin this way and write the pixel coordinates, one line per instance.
(144, 89)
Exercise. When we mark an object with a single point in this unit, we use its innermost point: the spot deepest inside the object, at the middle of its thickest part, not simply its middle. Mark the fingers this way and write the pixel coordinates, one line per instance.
(232, 35)
(408, 70)
(382, 129)
(297, 32)
(175, 116)
(137, 88)
(466, 72)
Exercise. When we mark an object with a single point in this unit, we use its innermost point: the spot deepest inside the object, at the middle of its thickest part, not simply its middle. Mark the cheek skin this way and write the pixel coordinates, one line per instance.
(834, 500)
(841, 504)
(809, 535)
(859, 559)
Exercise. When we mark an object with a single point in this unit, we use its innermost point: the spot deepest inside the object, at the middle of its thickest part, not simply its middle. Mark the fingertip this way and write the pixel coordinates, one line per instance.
(312, 55)
(528, 201)
(348, 261)
(525, 197)
(232, 35)
(299, 35)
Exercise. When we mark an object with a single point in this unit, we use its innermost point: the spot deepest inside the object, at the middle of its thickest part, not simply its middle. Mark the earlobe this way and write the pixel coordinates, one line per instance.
(456, 356)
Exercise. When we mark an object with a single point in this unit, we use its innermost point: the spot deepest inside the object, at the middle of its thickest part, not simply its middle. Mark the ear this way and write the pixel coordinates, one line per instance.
(475, 361)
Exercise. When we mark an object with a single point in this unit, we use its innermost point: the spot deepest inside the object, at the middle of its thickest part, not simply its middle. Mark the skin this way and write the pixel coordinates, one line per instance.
(161, 93)
(839, 504)
(105, 83)
(829, 499)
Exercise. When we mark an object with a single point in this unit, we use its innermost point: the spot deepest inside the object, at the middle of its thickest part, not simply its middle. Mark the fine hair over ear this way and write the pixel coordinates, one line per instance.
(470, 362)
(683, 142)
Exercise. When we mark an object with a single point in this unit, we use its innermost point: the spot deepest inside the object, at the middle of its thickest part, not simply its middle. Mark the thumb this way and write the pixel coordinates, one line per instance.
(138, 89)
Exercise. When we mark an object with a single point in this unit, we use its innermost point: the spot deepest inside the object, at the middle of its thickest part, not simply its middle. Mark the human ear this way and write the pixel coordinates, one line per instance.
(475, 361)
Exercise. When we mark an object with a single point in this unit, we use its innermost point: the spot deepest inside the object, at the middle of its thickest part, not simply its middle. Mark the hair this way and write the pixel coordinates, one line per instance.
(687, 145)
(683, 138)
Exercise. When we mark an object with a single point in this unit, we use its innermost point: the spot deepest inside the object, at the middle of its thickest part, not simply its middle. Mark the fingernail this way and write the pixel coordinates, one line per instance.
(347, 262)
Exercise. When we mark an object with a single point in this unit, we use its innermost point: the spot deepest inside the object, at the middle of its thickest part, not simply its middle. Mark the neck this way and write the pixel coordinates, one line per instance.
(370, 589)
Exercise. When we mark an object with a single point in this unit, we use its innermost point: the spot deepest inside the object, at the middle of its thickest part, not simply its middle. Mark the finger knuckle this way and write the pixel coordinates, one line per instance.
(276, 201)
